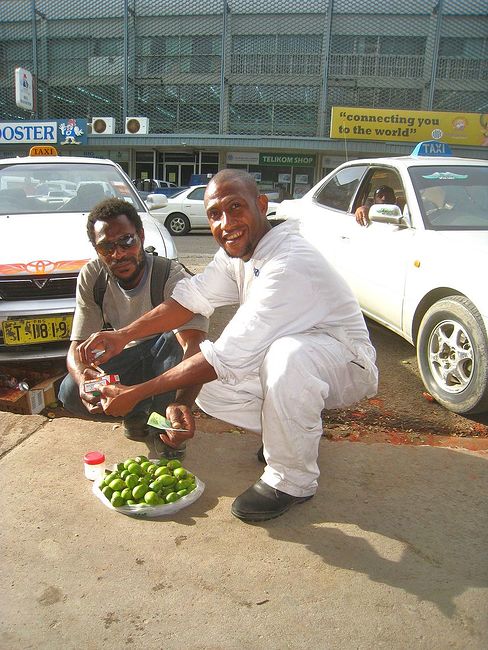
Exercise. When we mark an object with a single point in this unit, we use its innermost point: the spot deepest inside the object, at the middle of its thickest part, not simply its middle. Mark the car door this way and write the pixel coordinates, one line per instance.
(378, 256)
(193, 207)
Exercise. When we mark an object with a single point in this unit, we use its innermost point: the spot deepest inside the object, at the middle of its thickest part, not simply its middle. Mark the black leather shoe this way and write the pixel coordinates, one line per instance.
(261, 502)
(260, 454)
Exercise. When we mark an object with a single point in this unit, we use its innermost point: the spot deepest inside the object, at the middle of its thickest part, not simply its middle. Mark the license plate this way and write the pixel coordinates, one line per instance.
(37, 330)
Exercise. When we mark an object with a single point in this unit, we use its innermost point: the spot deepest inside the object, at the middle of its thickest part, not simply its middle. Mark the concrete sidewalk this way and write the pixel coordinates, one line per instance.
(391, 553)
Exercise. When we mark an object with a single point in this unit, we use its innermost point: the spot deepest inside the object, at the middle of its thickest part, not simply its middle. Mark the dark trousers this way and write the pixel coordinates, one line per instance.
(134, 365)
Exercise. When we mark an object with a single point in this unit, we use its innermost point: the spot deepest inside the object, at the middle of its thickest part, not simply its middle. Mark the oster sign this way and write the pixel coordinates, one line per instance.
(28, 132)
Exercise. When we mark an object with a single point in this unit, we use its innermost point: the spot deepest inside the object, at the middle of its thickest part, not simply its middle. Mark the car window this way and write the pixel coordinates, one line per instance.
(452, 197)
(60, 187)
(379, 178)
(197, 194)
(338, 191)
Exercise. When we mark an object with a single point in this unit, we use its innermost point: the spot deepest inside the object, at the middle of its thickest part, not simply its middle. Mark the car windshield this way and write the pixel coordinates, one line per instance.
(452, 197)
(61, 187)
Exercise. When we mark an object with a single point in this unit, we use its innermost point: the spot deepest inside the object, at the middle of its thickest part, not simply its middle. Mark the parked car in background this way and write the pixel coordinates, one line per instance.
(44, 203)
(420, 267)
(146, 186)
(185, 211)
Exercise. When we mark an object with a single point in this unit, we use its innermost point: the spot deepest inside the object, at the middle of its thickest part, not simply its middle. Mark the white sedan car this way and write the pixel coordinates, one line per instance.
(185, 211)
(44, 204)
(420, 266)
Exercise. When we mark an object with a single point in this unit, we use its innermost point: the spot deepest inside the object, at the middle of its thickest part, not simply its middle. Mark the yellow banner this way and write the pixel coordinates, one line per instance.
(464, 129)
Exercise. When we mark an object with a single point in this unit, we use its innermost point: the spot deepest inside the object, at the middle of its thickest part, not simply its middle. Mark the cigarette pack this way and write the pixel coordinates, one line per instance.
(94, 385)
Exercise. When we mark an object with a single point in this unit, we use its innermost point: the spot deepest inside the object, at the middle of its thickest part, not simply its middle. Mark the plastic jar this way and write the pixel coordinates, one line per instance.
(94, 462)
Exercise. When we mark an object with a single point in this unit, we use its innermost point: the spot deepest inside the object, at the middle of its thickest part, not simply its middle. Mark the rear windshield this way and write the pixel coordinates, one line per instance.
(452, 197)
(61, 187)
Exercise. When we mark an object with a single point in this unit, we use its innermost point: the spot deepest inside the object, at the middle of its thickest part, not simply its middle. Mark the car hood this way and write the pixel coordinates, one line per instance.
(44, 243)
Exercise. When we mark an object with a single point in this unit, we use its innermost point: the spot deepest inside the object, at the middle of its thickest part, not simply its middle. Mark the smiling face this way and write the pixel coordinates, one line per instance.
(236, 213)
(126, 260)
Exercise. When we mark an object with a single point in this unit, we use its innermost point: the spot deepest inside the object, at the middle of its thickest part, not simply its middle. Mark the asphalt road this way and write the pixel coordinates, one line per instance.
(401, 412)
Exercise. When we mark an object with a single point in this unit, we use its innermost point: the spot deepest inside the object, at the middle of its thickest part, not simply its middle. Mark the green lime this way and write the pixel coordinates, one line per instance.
(139, 491)
(172, 497)
(111, 477)
(131, 502)
(180, 472)
(151, 468)
(124, 473)
(173, 463)
(166, 480)
(128, 462)
(107, 492)
(131, 480)
(162, 462)
(117, 484)
(153, 499)
(182, 493)
(145, 464)
(117, 500)
(162, 470)
(120, 467)
(126, 493)
(135, 468)
(183, 484)
(141, 459)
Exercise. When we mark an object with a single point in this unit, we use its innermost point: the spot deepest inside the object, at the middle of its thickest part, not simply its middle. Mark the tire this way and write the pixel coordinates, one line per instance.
(452, 354)
(178, 224)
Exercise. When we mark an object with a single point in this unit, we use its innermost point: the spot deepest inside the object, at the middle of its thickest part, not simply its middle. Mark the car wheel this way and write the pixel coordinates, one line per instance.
(452, 353)
(178, 224)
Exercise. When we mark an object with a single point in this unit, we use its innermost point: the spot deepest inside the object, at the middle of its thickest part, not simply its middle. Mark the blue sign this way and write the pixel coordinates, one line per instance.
(68, 131)
(432, 148)
(72, 131)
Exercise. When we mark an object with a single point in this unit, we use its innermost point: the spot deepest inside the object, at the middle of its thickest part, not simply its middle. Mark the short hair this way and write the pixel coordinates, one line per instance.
(109, 209)
(237, 175)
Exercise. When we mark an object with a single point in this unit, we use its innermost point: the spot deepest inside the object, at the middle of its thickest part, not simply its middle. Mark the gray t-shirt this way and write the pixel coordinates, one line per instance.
(122, 307)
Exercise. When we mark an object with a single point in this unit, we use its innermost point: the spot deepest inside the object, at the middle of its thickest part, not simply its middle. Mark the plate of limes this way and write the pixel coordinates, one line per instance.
(148, 488)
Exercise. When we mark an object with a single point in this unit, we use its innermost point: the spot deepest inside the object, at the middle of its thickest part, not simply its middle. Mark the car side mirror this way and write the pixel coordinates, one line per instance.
(155, 201)
(386, 213)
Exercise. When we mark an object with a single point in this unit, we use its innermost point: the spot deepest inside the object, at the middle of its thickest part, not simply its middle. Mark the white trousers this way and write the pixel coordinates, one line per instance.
(300, 376)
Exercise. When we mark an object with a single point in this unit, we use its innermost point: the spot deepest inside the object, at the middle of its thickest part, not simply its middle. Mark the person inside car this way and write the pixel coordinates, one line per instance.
(112, 291)
(297, 343)
(383, 194)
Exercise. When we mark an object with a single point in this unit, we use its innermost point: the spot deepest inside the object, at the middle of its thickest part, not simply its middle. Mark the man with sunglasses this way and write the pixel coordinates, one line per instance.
(116, 232)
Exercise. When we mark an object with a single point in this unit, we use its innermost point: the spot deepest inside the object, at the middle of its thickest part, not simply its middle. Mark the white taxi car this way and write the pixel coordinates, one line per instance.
(420, 266)
(185, 211)
(44, 203)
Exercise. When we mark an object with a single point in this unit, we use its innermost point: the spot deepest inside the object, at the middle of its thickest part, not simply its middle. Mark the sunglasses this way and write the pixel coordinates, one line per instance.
(108, 247)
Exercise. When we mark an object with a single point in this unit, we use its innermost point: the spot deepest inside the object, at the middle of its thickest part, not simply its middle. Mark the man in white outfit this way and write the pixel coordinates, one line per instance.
(297, 344)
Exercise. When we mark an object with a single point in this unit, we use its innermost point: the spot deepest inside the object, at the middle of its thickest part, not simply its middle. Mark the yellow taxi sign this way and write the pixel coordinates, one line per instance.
(43, 150)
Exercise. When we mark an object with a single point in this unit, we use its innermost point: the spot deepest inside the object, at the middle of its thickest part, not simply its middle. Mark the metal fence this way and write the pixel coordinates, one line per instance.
(268, 67)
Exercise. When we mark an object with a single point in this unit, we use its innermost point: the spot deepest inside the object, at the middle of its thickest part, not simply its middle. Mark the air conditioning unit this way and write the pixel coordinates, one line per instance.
(103, 125)
(137, 125)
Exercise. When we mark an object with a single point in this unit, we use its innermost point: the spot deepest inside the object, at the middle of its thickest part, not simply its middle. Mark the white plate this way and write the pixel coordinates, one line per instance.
(141, 510)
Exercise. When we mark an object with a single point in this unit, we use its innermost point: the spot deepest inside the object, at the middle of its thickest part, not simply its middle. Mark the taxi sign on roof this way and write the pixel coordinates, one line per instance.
(432, 148)
(43, 150)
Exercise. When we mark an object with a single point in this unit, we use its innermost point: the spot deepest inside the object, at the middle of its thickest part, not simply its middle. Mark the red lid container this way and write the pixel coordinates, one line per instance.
(94, 458)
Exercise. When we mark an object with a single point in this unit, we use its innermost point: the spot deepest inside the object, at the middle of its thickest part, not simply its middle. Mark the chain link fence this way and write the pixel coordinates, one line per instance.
(243, 67)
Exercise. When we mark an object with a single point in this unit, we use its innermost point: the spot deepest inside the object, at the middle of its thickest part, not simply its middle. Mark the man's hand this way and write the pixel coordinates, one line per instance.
(181, 417)
(112, 343)
(361, 215)
(90, 401)
(117, 399)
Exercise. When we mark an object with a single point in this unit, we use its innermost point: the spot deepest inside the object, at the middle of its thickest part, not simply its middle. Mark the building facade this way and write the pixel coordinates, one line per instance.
(245, 83)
